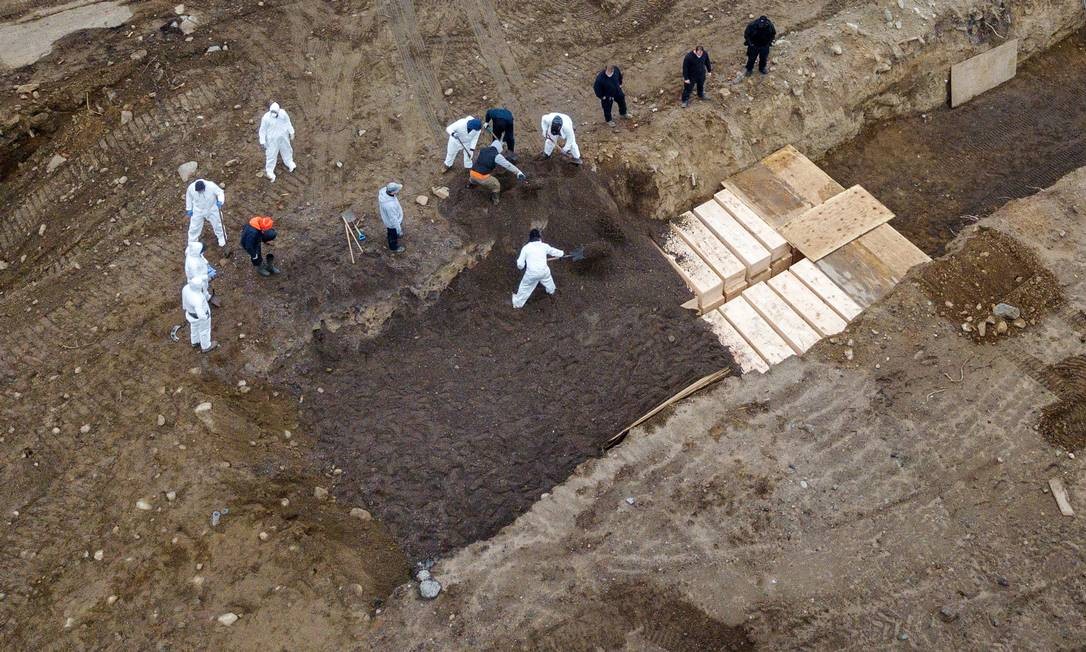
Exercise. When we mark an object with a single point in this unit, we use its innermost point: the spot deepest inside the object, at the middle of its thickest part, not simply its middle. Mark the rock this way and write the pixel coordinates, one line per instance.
(263, 536)
(186, 170)
(967, 327)
(837, 49)
(188, 25)
(849, 354)
(111, 599)
(179, 9)
(27, 89)
(803, 484)
(448, 92)
(886, 13)
(41, 230)
(99, 555)
(120, 181)
(882, 67)
(143, 505)
(948, 614)
(3, 265)
(982, 329)
(441, 192)
(1006, 311)
(203, 407)
(138, 55)
(213, 48)
(126, 117)
(422, 200)
(1019, 323)
(423, 575)
(320, 493)
(429, 589)
(227, 619)
(630, 500)
(361, 514)
(55, 163)
(171, 496)
(161, 420)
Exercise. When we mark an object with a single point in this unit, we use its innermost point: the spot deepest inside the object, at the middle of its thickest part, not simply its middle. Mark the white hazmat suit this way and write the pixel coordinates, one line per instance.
(533, 260)
(196, 265)
(462, 138)
(201, 205)
(276, 132)
(566, 134)
(389, 207)
(197, 312)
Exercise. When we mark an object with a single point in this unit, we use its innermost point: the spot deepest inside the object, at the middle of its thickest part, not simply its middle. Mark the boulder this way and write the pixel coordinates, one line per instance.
(55, 163)
(187, 170)
(1006, 311)
(429, 589)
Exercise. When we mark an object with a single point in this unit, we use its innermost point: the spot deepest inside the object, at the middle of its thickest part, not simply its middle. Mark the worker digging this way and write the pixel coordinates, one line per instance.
(260, 231)
(483, 170)
(276, 135)
(558, 127)
(463, 136)
(204, 201)
(533, 260)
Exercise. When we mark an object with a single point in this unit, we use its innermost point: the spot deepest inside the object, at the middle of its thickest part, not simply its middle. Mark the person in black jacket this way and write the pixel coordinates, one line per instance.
(500, 123)
(758, 37)
(696, 67)
(260, 230)
(608, 88)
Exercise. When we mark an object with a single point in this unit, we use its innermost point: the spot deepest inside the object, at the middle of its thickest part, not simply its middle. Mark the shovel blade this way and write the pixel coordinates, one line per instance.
(577, 254)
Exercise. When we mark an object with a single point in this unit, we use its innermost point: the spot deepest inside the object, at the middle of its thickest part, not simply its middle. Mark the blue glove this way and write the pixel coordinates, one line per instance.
(189, 213)
(218, 204)
(211, 272)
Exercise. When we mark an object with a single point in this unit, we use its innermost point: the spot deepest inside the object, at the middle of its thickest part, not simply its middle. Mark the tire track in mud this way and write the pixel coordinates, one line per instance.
(496, 53)
(420, 78)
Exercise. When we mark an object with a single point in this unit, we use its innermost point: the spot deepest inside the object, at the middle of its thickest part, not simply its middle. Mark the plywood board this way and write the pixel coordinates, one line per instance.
(893, 249)
(788, 324)
(768, 194)
(759, 334)
(705, 243)
(766, 235)
(744, 354)
(807, 304)
(695, 272)
(817, 281)
(861, 274)
(823, 229)
(741, 243)
(983, 72)
(807, 180)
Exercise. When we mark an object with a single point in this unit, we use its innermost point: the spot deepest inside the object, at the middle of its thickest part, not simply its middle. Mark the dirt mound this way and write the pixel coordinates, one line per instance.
(1063, 423)
(433, 423)
(990, 268)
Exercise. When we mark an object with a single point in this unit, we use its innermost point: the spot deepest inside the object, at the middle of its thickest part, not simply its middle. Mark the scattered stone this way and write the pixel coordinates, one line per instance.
(171, 496)
(161, 420)
(1019, 323)
(1006, 311)
(142, 504)
(111, 599)
(967, 327)
(285, 502)
(41, 230)
(320, 493)
(441, 192)
(803, 484)
(422, 200)
(99, 555)
(849, 354)
(1002, 581)
(187, 170)
(886, 13)
(126, 117)
(228, 619)
(188, 25)
(836, 49)
(982, 329)
(179, 10)
(339, 164)
(55, 163)
(448, 92)
(27, 89)
(69, 622)
(630, 500)
(263, 536)
(213, 48)
(423, 575)
(85, 428)
(138, 55)
(361, 514)
(429, 589)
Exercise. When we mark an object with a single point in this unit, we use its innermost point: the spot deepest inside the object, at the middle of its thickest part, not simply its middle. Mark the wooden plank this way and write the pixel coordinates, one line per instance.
(741, 243)
(1060, 494)
(983, 72)
(859, 273)
(705, 243)
(807, 304)
(893, 249)
(801, 175)
(823, 229)
(768, 194)
(779, 265)
(789, 325)
(698, 276)
(759, 334)
(742, 352)
(763, 275)
(766, 235)
(817, 281)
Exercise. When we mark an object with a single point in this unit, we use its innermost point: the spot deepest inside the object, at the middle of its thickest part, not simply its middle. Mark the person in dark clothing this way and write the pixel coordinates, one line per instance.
(486, 164)
(758, 37)
(608, 88)
(500, 122)
(259, 231)
(696, 67)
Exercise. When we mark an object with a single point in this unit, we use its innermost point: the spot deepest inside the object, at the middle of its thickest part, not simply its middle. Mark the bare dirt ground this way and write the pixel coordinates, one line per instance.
(111, 475)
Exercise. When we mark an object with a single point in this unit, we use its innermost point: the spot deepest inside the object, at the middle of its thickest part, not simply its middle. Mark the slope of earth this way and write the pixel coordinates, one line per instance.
(942, 169)
(897, 495)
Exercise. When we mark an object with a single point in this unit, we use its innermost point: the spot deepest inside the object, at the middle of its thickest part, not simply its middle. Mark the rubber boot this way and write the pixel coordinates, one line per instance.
(262, 269)
(269, 263)
(214, 345)
(495, 198)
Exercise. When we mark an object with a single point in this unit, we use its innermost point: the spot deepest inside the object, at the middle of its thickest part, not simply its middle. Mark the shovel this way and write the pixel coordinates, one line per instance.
(575, 255)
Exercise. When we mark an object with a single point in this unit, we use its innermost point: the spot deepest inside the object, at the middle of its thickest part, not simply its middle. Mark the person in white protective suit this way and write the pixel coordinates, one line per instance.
(196, 265)
(533, 260)
(388, 205)
(276, 132)
(198, 313)
(463, 135)
(556, 127)
(203, 199)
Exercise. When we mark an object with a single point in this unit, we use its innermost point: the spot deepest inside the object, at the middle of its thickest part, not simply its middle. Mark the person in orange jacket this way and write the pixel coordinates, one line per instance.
(260, 230)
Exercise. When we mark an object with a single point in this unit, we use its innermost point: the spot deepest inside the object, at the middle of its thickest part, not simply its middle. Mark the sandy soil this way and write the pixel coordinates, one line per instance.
(101, 420)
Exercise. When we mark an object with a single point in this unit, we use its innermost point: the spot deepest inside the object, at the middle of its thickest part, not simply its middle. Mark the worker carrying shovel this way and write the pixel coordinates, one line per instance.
(463, 136)
(533, 260)
(559, 127)
(486, 162)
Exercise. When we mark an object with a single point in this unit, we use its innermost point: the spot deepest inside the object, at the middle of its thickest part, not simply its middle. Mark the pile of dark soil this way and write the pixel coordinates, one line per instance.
(990, 268)
(454, 421)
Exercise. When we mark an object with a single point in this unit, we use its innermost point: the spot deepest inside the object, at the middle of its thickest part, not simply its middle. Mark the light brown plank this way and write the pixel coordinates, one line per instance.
(983, 72)
(741, 243)
(817, 281)
(766, 235)
(807, 304)
(768, 194)
(705, 243)
(706, 284)
(893, 249)
(1060, 494)
(744, 354)
(789, 325)
(806, 180)
(759, 334)
(823, 229)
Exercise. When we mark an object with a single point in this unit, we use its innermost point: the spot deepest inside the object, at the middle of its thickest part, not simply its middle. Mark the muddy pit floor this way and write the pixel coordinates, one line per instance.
(456, 420)
(937, 169)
